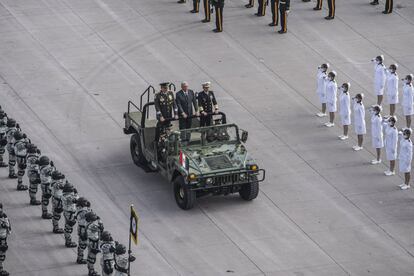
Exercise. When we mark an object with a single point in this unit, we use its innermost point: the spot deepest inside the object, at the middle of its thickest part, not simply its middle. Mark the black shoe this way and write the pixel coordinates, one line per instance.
(47, 215)
(248, 6)
(3, 165)
(21, 187)
(70, 244)
(35, 202)
(4, 273)
(217, 31)
(81, 261)
(12, 175)
(316, 9)
(281, 32)
(58, 231)
(272, 24)
(258, 14)
(205, 21)
(194, 11)
(374, 3)
(385, 12)
(181, 2)
(329, 17)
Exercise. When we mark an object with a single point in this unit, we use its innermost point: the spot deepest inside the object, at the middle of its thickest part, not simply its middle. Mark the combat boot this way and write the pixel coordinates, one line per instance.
(71, 244)
(4, 273)
(22, 187)
(57, 230)
(3, 165)
(46, 215)
(81, 261)
(34, 201)
(12, 175)
(93, 273)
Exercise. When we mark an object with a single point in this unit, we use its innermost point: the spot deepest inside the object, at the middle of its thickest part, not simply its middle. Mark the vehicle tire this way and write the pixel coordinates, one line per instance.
(136, 151)
(184, 197)
(250, 190)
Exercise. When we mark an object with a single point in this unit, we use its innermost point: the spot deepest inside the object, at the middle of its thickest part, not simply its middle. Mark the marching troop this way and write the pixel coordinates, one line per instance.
(384, 133)
(64, 199)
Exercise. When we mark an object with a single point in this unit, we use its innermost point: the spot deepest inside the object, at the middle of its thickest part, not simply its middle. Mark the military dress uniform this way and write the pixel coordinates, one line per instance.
(207, 11)
(261, 8)
(196, 6)
(165, 107)
(284, 7)
(274, 6)
(218, 6)
(250, 4)
(206, 103)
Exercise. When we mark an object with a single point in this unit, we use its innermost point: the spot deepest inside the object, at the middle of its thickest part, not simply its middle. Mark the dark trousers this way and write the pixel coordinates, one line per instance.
(160, 128)
(275, 14)
(261, 9)
(196, 5)
(219, 18)
(207, 10)
(251, 3)
(331, 7)
(319, 4)
(185, 124)
(388, 6)
(205, 120)
(283, 17)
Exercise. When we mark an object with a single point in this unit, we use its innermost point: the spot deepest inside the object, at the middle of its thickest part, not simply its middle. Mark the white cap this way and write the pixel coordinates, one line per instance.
(206, 84)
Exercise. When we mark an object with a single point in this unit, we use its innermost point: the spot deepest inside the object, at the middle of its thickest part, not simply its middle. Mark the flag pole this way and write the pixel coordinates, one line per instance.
(129, 248)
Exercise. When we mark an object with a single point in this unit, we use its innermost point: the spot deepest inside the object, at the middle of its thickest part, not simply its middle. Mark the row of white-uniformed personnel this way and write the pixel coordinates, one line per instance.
(384, 132)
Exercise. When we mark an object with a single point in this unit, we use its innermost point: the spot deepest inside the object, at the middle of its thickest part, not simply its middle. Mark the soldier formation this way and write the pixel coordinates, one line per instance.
(55, 188)
(384, 132)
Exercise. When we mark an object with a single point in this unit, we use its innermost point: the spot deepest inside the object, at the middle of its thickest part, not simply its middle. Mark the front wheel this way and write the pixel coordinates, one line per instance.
(136, 151)
(250, 190)
(184, 196)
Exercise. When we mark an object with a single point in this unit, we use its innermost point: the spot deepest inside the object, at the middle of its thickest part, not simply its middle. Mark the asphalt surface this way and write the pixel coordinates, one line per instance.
(68, 68)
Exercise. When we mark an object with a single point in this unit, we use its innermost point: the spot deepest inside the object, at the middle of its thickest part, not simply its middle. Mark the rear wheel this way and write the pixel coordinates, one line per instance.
(250, 190)
(136, 151)
(184, 196)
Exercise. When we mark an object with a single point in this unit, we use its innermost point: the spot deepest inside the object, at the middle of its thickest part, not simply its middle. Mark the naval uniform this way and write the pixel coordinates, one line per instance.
(284, 6)
(218, 6)
(206, 103)
(165, 106)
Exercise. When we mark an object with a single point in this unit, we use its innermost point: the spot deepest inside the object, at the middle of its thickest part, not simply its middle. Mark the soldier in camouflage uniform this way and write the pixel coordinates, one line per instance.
(33, 172)
(3, 139)
(107, 246)
(12, 127)
(70, 198)
(5, 230)
(20, 151)
(46, 169)
(58, 181)
(122, 260)
(94, 230)
(83, 207)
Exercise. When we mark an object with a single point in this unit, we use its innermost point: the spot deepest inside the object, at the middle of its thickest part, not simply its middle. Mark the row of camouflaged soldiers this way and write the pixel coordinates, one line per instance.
(55, 188)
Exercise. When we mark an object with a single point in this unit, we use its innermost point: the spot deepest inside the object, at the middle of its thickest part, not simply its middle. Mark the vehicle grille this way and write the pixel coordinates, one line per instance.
(226, 179)
(218, 162)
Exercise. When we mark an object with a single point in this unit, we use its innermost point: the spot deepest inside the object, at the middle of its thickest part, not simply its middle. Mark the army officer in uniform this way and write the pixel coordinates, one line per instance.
(165, 106)
(207, 104)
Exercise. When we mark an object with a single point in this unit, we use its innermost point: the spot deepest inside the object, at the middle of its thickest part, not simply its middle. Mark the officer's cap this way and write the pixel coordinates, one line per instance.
(206, 84)
(164, 84)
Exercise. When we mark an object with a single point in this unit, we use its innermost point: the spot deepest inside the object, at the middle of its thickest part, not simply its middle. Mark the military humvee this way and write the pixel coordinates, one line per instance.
(212, 160)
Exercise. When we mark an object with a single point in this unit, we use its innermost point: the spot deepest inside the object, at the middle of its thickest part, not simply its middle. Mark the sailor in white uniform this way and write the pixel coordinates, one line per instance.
(359, 120)
(345, 109)
(391, 142)
(405, 157)
(376, 132)
(392, 87)
(407, 99)
(322, 79)
(379, 77)
(331, 98)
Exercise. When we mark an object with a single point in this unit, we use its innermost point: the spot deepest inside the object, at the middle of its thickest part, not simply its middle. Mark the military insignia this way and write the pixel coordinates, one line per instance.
(170, 97)
(161, 99)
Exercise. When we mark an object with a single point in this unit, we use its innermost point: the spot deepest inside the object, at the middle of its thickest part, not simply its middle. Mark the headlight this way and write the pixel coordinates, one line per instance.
(253, 167)
(242, 176)
(192, 177)
(209, 181)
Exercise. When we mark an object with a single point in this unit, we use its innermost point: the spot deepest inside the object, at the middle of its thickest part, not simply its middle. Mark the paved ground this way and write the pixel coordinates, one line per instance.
(68, 67)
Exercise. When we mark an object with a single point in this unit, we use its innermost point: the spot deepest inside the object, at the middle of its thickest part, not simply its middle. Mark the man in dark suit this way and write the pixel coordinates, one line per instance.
(186, 100)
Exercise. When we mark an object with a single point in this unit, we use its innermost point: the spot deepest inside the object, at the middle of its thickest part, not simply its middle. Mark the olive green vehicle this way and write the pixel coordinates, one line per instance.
(213, 160)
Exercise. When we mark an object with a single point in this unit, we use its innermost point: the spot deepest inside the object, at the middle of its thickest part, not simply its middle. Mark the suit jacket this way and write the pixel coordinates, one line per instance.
(186, 104)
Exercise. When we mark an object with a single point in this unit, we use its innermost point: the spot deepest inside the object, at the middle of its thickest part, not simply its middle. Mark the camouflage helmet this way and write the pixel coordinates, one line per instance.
(56, 175)
(31, 148)
(82, 202)
(2, 113)
(11, 122)
(91, 216)
(106, 236)
(18, 135)
(44, 160)
(68, 187)
(120, 249)
(407, 131)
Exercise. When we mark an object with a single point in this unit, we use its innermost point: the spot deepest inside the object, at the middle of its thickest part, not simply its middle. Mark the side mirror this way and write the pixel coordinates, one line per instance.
(244, 136)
